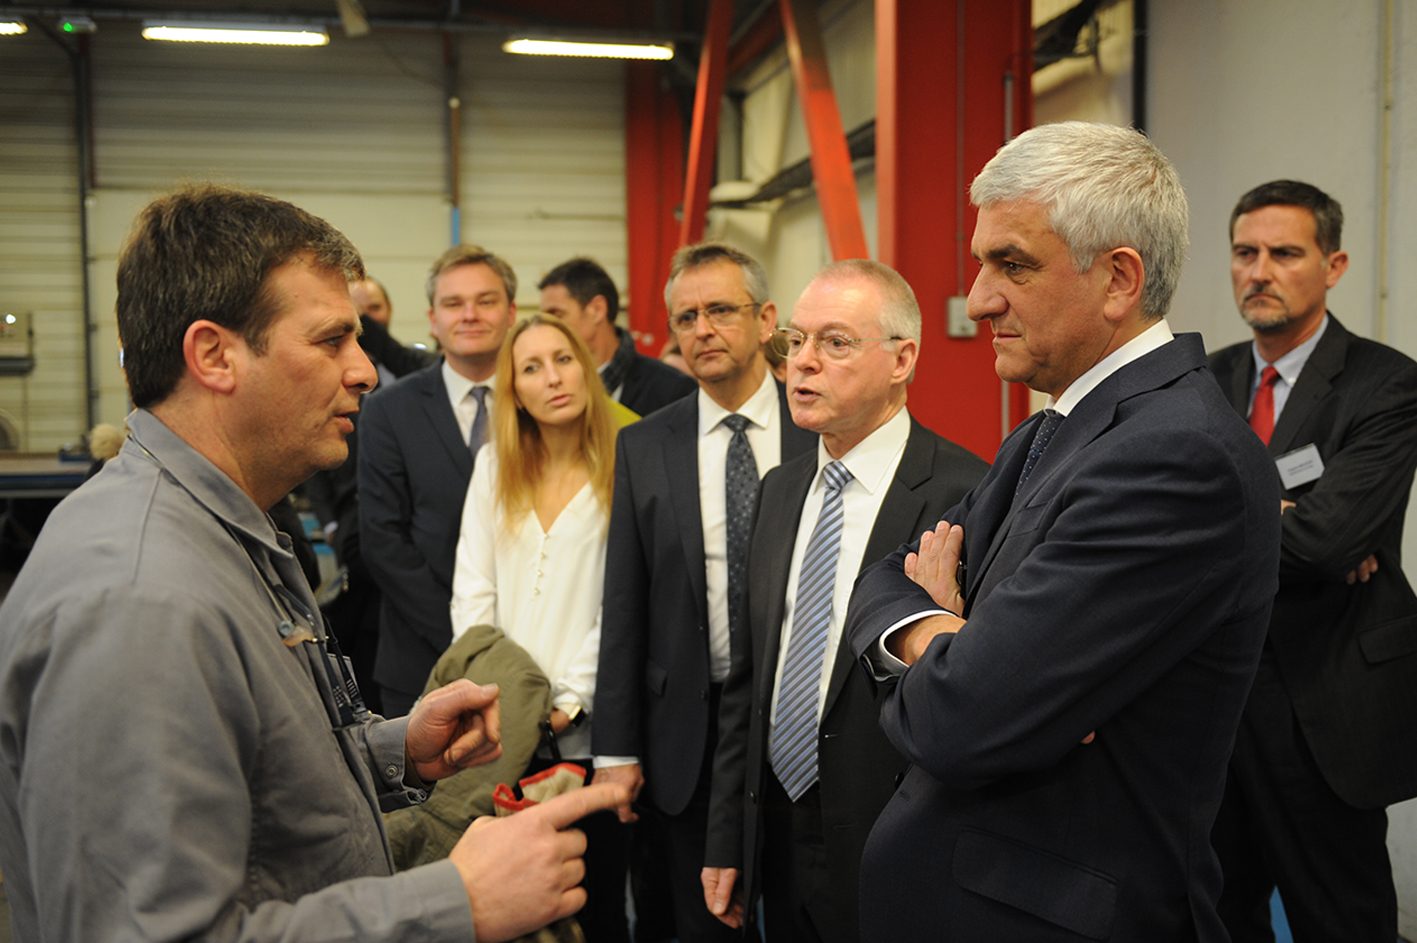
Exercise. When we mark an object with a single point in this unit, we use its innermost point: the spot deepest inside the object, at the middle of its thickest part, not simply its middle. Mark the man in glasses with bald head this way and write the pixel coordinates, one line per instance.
(803, 767)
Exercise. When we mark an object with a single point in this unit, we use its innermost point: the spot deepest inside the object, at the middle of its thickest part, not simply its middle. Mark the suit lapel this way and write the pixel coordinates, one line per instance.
(780, 519)
(1315, 382)
(439, 413)
(681, 463)
(1241, 378)
(900, 510)
(1089, 419)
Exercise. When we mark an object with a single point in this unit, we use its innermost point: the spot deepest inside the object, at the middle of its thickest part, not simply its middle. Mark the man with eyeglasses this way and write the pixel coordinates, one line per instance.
(803, 767)
(417, 445)
(686, 481)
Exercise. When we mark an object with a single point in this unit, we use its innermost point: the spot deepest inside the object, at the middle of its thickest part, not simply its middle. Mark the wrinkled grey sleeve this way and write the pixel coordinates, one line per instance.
(134, 802)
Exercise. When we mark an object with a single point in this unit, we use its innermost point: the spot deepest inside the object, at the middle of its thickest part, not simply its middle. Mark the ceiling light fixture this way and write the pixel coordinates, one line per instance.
(13, 28)
(256, 34)
(589, 48)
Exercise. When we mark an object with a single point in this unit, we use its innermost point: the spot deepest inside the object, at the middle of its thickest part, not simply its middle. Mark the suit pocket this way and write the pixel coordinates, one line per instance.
(655, 678)
(1390, 640)
(1064, 893)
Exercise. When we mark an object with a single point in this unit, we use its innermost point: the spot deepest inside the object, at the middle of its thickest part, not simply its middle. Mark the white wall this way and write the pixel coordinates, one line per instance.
(353, 132)
(1244, 91)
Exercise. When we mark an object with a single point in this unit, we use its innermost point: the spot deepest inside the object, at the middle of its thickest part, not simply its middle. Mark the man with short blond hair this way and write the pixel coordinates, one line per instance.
(418, 442)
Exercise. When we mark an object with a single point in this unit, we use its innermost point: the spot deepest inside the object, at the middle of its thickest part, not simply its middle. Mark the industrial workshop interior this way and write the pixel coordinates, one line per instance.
(800, 131)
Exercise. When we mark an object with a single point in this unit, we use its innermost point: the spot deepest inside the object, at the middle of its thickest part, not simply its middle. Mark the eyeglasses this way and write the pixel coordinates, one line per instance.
(719, 315)
(834, 345)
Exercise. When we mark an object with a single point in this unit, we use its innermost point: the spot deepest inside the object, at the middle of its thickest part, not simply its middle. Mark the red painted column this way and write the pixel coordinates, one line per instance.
(952, 79)
(831, 161)
(703, 135)
(654, 173)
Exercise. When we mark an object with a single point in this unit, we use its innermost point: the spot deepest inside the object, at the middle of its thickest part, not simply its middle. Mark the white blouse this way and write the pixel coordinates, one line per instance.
(541, 588)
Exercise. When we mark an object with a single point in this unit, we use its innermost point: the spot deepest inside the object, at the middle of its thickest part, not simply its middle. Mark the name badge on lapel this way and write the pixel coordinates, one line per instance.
(1300, 466)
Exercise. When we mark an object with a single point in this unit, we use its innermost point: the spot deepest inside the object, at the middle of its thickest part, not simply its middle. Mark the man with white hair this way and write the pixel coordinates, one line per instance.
(1075, 640)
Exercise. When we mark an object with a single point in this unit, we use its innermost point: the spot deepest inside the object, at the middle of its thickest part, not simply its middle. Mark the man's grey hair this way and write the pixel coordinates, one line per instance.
(706, 253)
(1103, 187)
(899, 315)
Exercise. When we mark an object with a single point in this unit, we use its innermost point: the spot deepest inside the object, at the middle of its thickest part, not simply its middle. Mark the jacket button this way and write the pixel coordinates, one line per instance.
(391, 771)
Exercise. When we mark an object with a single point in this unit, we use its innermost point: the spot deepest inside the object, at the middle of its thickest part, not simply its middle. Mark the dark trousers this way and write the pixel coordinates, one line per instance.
(397, 703)
(797, 899)
(1281, 825)
(684, 840)
(603, 917)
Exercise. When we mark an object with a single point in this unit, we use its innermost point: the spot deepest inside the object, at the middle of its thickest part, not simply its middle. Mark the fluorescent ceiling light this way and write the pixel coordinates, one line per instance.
(537, 46)
(246, 34)
(13, 28)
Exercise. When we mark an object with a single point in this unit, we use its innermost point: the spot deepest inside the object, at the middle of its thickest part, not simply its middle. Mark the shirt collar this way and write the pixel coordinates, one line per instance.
(1159, 334)
(1291, 363)
(758, 409)
(458, 386)
(149, 436)
(875, 457)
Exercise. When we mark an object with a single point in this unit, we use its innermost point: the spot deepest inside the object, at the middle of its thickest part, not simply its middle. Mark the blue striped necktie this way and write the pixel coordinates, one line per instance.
(792, 744)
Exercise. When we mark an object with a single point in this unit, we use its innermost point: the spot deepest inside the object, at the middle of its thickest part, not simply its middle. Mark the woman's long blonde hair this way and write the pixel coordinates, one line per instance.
(521, 454)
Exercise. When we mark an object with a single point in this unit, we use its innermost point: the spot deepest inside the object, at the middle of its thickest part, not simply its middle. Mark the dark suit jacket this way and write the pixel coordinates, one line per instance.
(414, 467)
(651, 385)
(1125, 590)
(857, 767)
(1347, 654)
(652, 686)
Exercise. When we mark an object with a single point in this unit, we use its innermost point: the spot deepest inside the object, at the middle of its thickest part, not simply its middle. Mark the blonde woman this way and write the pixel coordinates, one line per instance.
(531, 553)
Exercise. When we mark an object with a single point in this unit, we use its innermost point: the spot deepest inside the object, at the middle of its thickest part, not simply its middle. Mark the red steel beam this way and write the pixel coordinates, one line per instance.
(831, 161)
(654, 172)
(942, 105)
(703, 136)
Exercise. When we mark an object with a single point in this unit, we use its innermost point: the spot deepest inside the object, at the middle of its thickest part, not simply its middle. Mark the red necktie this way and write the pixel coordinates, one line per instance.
(1262, 413)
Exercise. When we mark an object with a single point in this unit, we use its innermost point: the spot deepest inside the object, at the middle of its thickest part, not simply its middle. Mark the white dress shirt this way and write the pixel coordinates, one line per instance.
(872, 463)
(542, 588)
(465, 406)
(1289, 366)
(1158, 335)
(764, 434)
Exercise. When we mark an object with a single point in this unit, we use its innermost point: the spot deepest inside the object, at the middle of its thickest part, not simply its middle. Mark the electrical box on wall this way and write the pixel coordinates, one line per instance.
(16, 343)
(957, 323)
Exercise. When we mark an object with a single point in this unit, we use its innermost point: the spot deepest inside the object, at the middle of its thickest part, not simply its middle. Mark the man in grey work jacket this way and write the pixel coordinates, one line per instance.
(181, 754)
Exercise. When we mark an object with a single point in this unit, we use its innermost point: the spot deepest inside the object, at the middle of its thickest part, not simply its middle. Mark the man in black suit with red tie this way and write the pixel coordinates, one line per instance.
(1069, 698)
(1327, 741)
(803, 768)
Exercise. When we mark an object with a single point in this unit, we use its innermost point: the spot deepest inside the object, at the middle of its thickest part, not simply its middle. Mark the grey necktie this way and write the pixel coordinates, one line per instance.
(792, 743)
(1052, 419)
(478, 435)
(741, 493)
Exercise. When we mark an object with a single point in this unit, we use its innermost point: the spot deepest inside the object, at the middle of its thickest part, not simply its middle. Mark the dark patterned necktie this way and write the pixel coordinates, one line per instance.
(1052, 419)
(792, 743)
(741, 493)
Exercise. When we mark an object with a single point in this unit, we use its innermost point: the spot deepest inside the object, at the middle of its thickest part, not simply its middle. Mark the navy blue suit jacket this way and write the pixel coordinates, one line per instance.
(414, 466)
(1125, 591)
